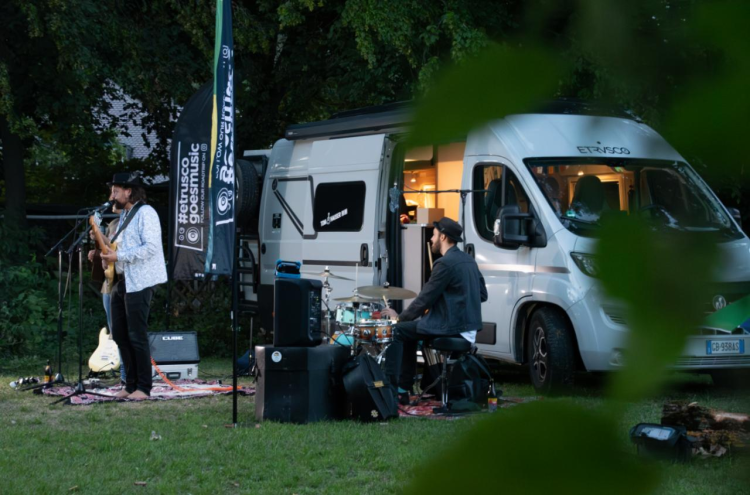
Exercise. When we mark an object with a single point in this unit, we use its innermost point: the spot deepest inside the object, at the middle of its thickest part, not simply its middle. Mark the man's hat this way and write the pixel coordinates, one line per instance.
(450, 228)
(127, 179)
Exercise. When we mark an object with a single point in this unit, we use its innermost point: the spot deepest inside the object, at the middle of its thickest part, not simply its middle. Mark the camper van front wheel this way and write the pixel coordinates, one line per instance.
(551, 356)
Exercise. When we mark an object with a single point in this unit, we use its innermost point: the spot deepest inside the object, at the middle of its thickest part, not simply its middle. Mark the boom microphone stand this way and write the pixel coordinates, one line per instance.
(59, 379)
(80, 387)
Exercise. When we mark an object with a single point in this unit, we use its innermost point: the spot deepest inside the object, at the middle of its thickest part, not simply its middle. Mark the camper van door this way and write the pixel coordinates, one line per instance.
(344, 174)
(507, 272)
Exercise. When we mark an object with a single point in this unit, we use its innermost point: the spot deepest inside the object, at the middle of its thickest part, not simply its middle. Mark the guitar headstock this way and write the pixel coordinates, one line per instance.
(95, 220)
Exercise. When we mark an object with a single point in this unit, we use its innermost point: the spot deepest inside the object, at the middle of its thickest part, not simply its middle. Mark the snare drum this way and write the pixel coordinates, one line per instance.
(375, 331)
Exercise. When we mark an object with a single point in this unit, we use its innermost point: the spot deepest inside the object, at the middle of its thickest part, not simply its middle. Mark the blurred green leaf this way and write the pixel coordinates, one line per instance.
(663, 278)
(497, 82)
(538, 448)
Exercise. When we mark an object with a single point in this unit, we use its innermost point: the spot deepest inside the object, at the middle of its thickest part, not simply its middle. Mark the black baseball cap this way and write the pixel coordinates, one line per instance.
(450, 228)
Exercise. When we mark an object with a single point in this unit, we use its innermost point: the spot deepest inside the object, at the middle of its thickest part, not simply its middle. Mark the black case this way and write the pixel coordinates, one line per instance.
(300, 384)
(370, 397)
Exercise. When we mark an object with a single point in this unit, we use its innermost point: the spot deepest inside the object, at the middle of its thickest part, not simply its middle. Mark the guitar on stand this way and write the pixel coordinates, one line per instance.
(105, 357)
(103, 245)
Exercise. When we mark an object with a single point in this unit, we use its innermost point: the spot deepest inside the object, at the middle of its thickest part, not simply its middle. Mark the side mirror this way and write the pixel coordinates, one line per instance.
(509, 231)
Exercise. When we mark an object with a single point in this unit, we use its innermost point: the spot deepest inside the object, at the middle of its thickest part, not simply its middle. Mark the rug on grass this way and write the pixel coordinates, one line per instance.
(424, 409)
(188, 389)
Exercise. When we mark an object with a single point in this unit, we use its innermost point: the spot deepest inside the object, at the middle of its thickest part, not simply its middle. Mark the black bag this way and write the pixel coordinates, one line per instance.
(470, 380)
(369, 395)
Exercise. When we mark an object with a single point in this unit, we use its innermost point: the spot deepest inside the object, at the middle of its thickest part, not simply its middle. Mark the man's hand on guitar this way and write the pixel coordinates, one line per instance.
(91, 255)
(110, 257)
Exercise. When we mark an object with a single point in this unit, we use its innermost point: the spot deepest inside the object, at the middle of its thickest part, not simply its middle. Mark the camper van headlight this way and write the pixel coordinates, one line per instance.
(587, 263)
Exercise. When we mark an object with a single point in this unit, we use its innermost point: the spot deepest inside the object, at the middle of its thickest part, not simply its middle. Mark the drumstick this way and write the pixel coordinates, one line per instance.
(429, 253)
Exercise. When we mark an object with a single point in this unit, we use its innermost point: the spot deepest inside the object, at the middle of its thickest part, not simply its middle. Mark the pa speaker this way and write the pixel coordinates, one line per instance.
(297, 313)
(174, 347)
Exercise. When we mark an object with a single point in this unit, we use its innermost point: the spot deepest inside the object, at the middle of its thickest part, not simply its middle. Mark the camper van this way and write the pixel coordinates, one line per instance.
(528, 189)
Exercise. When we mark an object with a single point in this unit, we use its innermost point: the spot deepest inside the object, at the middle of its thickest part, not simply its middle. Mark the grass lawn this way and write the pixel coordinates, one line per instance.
(106, 448)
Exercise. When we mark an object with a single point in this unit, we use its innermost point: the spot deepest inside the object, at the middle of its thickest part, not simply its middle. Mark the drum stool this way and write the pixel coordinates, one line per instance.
(451, 349)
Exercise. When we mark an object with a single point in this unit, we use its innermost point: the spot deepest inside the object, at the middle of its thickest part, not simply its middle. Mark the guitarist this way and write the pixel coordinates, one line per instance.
(106, 286)
(140, 259)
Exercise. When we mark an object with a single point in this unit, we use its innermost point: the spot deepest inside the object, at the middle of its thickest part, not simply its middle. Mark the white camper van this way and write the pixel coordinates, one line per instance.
(540, 181)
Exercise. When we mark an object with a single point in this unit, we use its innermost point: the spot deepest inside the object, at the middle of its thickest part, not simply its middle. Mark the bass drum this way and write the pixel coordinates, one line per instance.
(248, 195)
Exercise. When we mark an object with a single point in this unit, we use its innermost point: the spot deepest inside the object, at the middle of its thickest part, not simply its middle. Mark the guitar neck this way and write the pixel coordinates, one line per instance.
(103, 246)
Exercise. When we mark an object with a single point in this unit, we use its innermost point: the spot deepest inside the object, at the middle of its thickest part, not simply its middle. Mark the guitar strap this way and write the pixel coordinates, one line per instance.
(128, 218)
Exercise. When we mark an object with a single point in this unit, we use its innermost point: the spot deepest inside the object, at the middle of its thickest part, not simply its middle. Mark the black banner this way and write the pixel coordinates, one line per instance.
(190, 163)
(220, 249)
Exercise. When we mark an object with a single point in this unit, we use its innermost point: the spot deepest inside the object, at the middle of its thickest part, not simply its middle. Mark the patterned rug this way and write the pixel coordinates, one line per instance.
(186, 389)
(425, 408)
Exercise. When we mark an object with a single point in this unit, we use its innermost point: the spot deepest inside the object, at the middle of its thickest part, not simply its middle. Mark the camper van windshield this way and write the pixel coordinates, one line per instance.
(669, 194)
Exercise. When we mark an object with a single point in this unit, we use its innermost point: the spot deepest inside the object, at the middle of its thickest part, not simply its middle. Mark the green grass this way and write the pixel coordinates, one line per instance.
(106, 448)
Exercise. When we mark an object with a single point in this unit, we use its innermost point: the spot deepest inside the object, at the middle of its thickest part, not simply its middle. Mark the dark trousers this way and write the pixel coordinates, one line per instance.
(129, 330)
(401, 355)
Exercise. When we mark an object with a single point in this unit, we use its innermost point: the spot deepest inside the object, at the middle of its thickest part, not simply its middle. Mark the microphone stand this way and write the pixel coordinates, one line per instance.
(80, 387)
(59, 378)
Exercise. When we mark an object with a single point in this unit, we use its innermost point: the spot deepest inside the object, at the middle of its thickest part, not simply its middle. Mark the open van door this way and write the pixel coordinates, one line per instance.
(340, 228)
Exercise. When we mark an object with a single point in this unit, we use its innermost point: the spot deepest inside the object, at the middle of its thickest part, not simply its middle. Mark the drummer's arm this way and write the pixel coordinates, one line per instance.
(429, 294)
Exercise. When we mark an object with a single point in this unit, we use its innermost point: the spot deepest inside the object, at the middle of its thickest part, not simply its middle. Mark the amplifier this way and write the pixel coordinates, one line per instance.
(174, 347)
(297, 313)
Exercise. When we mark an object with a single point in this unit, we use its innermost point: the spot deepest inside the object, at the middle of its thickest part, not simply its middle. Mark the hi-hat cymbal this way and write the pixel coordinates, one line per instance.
(356, 298)
(328, 274)
(394, 293)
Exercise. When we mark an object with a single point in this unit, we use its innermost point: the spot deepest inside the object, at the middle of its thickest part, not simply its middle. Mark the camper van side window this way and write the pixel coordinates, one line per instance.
(501, 188)
(339, 206)
(486, 205)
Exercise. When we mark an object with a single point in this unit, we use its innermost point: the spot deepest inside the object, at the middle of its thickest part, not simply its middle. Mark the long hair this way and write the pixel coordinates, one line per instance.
(137, 193)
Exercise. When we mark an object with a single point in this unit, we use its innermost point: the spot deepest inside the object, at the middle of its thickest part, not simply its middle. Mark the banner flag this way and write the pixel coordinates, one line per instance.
(221, 188)
(190, 159)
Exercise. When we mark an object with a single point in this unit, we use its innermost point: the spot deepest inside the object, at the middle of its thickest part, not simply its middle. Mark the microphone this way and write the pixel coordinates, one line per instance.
(102, 207)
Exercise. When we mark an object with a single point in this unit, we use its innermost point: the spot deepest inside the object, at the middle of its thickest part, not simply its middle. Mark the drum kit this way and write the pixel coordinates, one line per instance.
(358, 319)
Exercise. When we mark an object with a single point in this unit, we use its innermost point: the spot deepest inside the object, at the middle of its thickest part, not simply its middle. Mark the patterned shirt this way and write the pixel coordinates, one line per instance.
(140, 251)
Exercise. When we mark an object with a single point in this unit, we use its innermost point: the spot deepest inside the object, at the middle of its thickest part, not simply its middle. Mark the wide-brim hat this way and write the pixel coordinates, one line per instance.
(450, 228)
(127, 179)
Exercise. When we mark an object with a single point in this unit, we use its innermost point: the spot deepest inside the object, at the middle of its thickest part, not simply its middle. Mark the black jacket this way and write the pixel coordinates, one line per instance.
(453, 295)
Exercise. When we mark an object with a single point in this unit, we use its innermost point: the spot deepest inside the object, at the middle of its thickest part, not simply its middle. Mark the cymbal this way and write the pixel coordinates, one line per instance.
(328, 274)
(378, 291)
(356, 298)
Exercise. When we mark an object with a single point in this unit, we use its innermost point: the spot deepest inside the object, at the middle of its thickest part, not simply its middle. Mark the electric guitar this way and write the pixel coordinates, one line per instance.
(104, 246)
(105, 357)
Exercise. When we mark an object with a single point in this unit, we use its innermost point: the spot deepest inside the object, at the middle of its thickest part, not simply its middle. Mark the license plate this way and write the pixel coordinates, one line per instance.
(725, 347)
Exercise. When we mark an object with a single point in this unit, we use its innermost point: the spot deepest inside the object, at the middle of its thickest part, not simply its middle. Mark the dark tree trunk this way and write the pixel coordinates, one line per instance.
(15, 177)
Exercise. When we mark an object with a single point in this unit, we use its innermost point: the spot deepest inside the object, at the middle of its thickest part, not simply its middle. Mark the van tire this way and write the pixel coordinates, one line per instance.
(248, 192)
(550, 351)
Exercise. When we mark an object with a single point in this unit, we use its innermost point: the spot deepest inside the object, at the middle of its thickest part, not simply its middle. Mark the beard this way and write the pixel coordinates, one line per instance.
(435, 247)
(119, 205)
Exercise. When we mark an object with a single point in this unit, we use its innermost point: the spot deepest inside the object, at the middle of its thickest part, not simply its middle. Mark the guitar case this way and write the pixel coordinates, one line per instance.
(369, 396)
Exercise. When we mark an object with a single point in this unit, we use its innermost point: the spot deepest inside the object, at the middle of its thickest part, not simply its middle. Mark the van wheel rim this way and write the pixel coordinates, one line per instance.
(539, 358)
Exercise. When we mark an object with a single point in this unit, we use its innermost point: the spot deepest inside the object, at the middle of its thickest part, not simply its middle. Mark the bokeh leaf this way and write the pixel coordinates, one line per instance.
(538, 448)
(663, 278)
(497, 82)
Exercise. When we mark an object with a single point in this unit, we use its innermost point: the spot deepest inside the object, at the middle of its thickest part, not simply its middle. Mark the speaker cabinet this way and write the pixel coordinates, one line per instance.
(297, 313)
(300, 384)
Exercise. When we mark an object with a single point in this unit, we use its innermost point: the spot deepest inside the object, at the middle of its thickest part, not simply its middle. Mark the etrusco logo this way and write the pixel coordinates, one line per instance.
(602, 150)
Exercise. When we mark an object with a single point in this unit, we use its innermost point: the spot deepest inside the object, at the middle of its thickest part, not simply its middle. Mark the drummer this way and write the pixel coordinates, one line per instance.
(453, 296)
